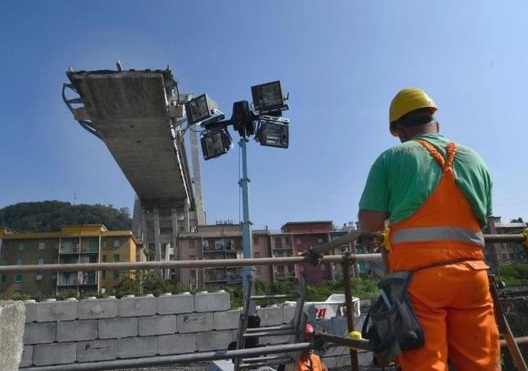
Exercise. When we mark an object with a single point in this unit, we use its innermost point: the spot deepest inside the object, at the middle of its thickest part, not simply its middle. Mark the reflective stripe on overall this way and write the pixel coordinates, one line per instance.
(452, 301)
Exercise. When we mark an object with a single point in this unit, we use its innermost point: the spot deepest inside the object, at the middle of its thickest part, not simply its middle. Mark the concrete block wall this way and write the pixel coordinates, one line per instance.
(12, 314)
(89, 330)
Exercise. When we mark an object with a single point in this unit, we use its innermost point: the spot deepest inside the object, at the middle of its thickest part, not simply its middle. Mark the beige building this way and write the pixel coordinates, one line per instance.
(219, 241)
(71, 245)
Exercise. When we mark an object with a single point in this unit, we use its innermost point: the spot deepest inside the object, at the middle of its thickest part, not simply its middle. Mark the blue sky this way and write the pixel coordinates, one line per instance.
(340, 61)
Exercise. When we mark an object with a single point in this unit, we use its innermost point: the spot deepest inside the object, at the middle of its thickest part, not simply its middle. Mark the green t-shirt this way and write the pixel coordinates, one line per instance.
(403, 177)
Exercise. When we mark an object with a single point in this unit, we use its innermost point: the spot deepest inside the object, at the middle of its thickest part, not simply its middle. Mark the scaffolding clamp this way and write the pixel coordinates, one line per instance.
(313, 257)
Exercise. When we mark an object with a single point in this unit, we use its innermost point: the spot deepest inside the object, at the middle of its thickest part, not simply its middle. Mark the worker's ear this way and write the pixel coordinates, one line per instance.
(402, 133)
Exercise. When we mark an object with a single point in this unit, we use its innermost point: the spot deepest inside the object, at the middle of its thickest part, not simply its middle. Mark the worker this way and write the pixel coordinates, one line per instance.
(435, 197)
(309, 361)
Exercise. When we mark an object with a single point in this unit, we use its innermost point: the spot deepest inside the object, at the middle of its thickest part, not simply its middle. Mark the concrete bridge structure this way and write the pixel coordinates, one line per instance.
(139, 115)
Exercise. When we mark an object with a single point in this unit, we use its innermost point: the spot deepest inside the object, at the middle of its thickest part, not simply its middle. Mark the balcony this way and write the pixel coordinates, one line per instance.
(65, 250)
(283, 275)
(282, 248)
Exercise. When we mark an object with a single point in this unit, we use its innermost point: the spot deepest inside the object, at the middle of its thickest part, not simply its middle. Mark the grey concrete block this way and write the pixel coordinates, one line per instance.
(213, 340)
(211, 302)
(77, 330)
(137, 347)
(157, 325)
(194, 322)
(31, 310)
(175, 304)
(136, 307)
(288, 311)
(227, 320)
(66, 310)
(40, 333)
(270, 316)
(54, 354)
(27, 356)
(177, 344)
(12, 321)
(116, 328)
(98, 308)
(97, 350)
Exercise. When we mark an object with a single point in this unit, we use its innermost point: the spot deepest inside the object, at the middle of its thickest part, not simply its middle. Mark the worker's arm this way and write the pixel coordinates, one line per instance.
(371, 221)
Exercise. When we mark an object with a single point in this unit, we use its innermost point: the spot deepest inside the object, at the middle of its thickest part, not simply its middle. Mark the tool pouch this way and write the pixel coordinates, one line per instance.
(391, 325)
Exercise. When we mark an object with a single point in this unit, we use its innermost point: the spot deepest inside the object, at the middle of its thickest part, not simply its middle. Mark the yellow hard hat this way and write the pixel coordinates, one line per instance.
(408, 100)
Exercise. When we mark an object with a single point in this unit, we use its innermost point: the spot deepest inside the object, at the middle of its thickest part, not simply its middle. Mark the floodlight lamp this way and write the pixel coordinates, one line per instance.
(215, 143)
(268, 98)
(273, 132)
(200, 109)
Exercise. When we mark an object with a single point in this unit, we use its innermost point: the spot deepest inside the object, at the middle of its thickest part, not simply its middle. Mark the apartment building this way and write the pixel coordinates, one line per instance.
(505, 252)
(281, 247)
(224, 241)
(71, 245)
(214, 242)
(303, 236)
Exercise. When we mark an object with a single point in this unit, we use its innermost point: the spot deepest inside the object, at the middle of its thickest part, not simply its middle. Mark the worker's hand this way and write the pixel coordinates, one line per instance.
(372, 241)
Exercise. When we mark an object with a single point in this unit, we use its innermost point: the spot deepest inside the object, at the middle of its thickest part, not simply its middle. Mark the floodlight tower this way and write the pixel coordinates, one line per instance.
(269, 129)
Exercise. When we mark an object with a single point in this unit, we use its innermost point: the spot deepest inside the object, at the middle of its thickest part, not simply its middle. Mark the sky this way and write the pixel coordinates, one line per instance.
(340, 61)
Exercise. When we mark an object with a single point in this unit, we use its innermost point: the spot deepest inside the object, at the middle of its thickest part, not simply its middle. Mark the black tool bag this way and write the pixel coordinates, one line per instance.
(391, 325)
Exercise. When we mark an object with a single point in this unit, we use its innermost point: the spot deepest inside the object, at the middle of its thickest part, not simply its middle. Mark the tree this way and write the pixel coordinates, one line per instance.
(49, 216)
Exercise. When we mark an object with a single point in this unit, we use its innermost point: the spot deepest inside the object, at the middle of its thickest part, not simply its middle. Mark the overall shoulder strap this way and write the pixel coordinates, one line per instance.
(446, 165)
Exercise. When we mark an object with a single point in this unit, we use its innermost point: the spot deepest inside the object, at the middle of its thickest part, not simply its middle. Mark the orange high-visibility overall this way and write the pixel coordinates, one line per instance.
(452, 301)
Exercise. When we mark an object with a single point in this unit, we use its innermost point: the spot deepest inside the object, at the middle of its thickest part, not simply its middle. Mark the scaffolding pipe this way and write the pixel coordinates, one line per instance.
(349, 307)
(175, 264)
(182, 358)
(521, 238)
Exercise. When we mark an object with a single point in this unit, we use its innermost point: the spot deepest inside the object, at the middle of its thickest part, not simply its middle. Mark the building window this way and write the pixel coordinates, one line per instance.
(20, 261)
(192, 257)
(116, 244)
(39, 277)
(191, 244)
(116, 257)
(3, 277)
(104, 258)
(298, 241)
(93, 245)
(116, 275)
(103, 274)
(41, 245)
(255, 240)
(257, 270)
(219, 244)
(18, 278)
(256, 255)
(40, 261)
(21, 246)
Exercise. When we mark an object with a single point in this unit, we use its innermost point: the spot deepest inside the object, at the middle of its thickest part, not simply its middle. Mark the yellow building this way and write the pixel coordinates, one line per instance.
(72, 244)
